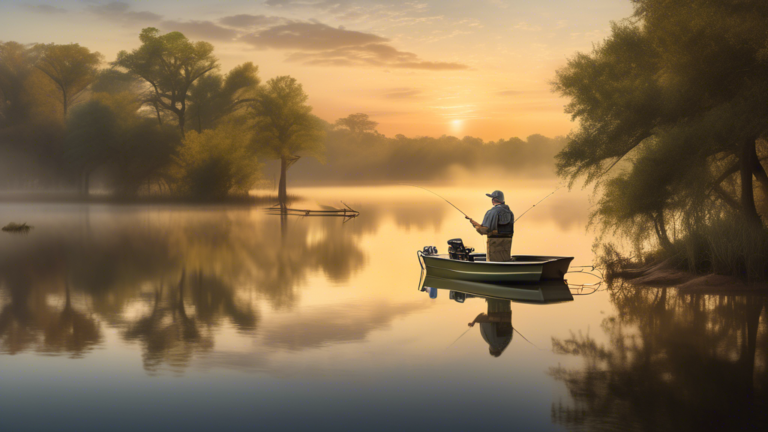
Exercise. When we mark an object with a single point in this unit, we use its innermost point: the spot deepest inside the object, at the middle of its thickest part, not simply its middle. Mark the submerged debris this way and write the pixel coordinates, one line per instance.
(14, 227)
(347, 212)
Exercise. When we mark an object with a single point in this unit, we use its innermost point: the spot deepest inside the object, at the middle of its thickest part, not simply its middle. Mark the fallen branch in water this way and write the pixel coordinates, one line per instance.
(14, 227)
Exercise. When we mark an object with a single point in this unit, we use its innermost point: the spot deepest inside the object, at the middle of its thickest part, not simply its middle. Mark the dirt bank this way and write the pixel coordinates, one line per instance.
(663, 274)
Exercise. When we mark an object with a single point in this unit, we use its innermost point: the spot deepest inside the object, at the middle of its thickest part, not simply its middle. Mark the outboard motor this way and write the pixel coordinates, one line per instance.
(457, 251)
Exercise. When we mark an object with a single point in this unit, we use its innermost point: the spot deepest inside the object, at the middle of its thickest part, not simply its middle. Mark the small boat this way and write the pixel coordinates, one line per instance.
(461, 264)
(547, 292)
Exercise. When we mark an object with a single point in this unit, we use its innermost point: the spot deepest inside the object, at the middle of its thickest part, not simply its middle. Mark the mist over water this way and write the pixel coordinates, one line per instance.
(207, 317)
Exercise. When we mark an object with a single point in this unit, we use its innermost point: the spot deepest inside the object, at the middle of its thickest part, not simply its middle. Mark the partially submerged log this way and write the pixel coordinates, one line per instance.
(14, 227)
(347, 212)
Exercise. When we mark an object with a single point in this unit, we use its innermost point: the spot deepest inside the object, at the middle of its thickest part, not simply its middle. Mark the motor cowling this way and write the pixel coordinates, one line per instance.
(457, 250)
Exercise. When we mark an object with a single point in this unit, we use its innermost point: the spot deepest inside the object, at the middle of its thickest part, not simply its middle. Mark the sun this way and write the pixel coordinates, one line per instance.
(456, 126)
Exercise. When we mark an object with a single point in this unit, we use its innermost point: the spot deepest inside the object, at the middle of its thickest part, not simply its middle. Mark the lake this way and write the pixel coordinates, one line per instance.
(151, 317)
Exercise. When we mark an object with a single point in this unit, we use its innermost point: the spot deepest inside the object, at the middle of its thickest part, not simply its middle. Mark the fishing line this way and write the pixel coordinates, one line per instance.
(526, 339)
(438, 195)
(457, 339)
(553, 192)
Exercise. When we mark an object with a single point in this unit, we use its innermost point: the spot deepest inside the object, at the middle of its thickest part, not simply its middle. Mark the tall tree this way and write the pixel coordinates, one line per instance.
(16, 63)
(71, 67)
(357, 123)
(693, 71)
(213, 97)
(285, 126)
(171, 64)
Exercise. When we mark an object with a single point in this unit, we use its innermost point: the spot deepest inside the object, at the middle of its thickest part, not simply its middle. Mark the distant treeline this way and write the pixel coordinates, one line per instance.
(163, 120)
(369, 157)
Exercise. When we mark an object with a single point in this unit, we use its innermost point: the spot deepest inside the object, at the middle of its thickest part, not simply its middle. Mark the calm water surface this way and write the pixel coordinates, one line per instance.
(224, 318)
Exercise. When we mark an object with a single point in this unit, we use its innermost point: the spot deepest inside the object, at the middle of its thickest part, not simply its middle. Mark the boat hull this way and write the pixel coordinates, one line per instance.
(523, 268)
(541, 293)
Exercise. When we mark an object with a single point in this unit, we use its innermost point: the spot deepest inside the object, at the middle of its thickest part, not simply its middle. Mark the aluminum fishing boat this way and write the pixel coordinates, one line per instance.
(542, 293)
(462, 264)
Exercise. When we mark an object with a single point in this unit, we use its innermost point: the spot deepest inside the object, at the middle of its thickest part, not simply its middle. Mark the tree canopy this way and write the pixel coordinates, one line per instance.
(170, 64)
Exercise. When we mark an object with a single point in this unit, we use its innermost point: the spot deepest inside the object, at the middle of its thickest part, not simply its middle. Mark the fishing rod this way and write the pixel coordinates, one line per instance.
(466, 216)
(531, 208)
(438, 195)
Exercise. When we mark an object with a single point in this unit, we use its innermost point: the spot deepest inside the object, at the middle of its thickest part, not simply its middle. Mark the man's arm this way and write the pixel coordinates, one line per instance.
(480, 229)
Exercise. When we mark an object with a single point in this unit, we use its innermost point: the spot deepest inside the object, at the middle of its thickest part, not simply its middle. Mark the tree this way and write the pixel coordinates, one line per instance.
(285, 127)
(71, 67)
(171, 64)
(214, 97)
(357, 123)
(16, 64)
(215, 162)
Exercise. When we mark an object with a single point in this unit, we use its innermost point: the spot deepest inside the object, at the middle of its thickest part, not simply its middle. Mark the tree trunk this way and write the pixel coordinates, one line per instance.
(64, 104)
(747, 160)
(282, 192)
(157, 111)
(181, 124)
(661, 231)
(85, 182)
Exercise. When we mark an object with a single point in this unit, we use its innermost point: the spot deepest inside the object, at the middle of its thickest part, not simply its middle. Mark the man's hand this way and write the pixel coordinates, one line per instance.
(474, 223)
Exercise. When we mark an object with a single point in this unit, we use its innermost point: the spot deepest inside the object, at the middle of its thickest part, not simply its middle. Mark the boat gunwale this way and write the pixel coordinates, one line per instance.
(444, 257)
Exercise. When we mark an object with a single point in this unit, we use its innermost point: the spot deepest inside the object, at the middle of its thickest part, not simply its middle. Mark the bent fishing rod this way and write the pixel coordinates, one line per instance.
(466, 216)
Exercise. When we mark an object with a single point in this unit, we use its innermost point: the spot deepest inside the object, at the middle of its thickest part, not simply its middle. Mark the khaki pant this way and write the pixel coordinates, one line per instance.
(499, 249)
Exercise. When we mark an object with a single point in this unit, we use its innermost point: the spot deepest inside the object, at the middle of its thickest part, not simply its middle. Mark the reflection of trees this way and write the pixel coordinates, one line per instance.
(71, 331)
(112, 265)
(167, 333)
(682, 362)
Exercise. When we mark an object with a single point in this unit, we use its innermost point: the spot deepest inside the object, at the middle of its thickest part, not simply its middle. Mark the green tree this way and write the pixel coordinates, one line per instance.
(71, 67)
(285, 127)
(214, 97)
(215, 162)
(16, 64)
(677, 68)
(171, 64)
(109, 130)
(357, 123)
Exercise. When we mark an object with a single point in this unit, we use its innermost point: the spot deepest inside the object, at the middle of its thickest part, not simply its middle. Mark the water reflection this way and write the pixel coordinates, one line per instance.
(167, 279)
(672, 362)
(496, 323)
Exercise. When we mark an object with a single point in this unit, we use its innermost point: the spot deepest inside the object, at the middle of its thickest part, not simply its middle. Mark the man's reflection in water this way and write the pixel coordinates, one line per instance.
(496, 325)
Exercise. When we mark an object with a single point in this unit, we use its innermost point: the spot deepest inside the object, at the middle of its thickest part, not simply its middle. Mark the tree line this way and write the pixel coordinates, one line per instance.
(673, 120)
(161, 117)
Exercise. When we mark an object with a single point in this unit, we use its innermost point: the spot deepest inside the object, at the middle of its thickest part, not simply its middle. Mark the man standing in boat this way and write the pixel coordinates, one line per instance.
(499, 225)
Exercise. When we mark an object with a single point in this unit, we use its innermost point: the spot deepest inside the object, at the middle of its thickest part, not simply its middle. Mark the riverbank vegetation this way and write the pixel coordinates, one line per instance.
(159, 120)
(163, 121)
(673, 114)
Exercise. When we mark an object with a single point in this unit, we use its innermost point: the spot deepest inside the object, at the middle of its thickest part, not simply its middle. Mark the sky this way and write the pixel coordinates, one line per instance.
(481, 68)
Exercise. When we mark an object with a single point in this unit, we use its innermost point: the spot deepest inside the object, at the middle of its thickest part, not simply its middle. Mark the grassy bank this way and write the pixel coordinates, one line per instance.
(728, 246)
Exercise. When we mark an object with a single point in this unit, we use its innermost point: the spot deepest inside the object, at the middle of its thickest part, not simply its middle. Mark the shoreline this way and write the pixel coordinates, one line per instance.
(664, 275)
(74, 198)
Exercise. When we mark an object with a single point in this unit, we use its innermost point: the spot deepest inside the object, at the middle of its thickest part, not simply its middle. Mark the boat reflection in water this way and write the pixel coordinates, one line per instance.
(496, 324)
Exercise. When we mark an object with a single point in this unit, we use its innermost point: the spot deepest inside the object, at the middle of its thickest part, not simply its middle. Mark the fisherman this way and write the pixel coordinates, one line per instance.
(499, 225)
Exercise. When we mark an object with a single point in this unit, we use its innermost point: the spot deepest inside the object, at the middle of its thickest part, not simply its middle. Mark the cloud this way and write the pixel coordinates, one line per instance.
(44, 9)
(201, 30)
(120, 11)
(527, 27)
(327, 5)
(245, 21)
(402, 93)
(315, 43)
(333, 324)
(509, 93)
(309, 36)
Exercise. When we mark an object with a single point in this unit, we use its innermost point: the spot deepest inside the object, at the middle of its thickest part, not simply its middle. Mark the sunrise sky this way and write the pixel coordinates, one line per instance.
(481, 68)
